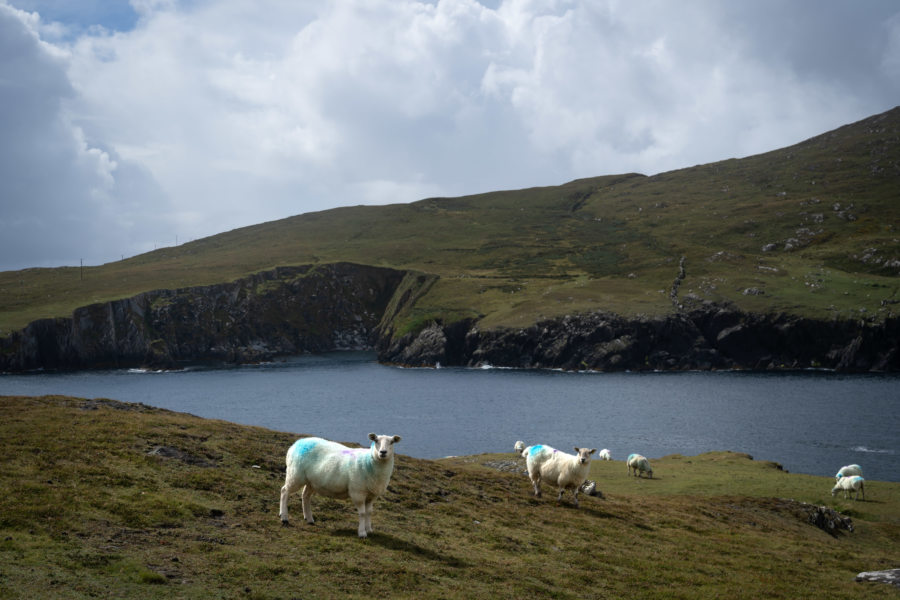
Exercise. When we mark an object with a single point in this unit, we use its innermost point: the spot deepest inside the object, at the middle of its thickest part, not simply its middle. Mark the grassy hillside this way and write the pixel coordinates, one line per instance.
(810, 229)
(107, 499)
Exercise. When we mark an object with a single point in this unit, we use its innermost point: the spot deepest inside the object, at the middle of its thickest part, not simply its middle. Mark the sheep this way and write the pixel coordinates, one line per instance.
(850, 483)
(336, 471)
(566, 471)
(848, 470)
(638, 464)
(604, 455)
(520, 445)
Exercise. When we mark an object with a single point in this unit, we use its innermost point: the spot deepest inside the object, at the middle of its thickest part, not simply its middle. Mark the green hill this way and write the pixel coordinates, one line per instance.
(808, 230)
(117, 500)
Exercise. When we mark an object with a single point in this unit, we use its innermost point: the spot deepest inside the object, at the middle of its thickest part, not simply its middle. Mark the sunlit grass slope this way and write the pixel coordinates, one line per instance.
(114, 500)
(810, 229)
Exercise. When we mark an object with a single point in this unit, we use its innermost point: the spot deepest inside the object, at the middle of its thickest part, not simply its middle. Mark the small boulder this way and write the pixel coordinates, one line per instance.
(891, 576)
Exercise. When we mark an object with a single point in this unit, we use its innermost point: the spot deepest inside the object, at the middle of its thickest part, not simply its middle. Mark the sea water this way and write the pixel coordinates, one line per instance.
(810, 422)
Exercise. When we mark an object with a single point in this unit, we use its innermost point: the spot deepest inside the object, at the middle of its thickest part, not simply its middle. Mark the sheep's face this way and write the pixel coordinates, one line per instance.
(835, 490)
(383, 445)
(584, 454)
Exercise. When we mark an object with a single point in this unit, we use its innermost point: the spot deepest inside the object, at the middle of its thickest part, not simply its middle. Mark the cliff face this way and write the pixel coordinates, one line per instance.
(712, 337)
(346, 306)
(283, 311)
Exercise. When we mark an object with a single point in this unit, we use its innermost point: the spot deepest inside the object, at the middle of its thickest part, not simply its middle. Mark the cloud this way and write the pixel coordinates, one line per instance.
(60, 193)
(191, 118)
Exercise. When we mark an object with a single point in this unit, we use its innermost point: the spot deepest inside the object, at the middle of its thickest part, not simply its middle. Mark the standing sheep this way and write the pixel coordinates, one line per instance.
(336, 471)
(604, 455)
(848, 471)
(565, 471)
(851, 483)
(519, 447)
(638, 464)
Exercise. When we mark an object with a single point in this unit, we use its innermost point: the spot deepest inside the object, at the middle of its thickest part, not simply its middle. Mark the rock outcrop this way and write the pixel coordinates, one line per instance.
(342, 306)
(712, 337)
(288, 310)
(890, 576)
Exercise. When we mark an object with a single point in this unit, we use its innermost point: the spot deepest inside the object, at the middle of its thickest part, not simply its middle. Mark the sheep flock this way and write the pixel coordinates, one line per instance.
(319, 466)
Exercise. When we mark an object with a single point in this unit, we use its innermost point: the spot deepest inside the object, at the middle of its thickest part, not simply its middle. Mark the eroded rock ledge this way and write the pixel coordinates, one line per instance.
(712, 337)
(288, 310)
(343, 306)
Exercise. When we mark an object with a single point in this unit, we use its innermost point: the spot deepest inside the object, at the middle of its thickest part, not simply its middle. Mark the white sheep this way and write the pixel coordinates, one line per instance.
(604, 455)
(638, 464)
(850, 483)
(520, 445)
(336, 471)
(848, 471)
(565, 471)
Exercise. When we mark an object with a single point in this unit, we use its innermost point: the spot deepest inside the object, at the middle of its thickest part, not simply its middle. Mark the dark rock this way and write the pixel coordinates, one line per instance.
(295, 310)
(709, 337)
(289, 310)
(183, 456)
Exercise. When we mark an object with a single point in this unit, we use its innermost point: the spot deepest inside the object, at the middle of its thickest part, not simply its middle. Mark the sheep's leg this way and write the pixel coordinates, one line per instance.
(286, 491)
(306, 496)
(360, 503)
(862, 488)
(369, 515)
(560, 495)
(575, 496)
(536, 482)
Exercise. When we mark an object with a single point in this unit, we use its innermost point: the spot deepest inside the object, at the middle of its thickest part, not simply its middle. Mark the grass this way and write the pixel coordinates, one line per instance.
(109, 499)
(826, 208)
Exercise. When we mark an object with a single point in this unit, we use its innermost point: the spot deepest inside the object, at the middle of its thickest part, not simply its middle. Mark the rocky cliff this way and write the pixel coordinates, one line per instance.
(711, 337)
(283, 311)
(342, 306)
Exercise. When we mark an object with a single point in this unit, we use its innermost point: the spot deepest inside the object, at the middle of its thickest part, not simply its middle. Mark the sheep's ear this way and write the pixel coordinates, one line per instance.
(397, 438)
(373, 437)
(592, 450)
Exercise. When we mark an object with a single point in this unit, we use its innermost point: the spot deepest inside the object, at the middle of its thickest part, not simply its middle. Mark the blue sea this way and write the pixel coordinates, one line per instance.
(810, 422)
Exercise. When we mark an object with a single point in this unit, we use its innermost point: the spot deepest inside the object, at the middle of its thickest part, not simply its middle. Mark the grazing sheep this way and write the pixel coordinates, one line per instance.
(336, 471)
(638, 464)
(604, 455)
(850, 483)
(848, 471)
(565, 471)
(520, 445)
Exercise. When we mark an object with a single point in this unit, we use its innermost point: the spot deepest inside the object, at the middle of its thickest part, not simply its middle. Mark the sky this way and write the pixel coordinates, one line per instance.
(127, 126)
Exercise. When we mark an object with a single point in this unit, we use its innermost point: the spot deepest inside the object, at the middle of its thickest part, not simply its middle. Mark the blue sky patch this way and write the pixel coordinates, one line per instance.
(82, 15)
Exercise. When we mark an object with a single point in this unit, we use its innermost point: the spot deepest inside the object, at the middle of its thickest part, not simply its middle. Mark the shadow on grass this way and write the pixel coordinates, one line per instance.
(390, 542)
(593, 509)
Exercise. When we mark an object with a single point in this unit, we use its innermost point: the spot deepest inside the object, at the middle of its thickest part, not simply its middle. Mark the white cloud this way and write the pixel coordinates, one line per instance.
(58, 190)
(215, 115)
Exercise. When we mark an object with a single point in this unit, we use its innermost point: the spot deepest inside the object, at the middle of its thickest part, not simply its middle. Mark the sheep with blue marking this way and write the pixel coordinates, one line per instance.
(850, 483)
(565, 471)
(336, 471)
(638, 465)
(848, 471)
